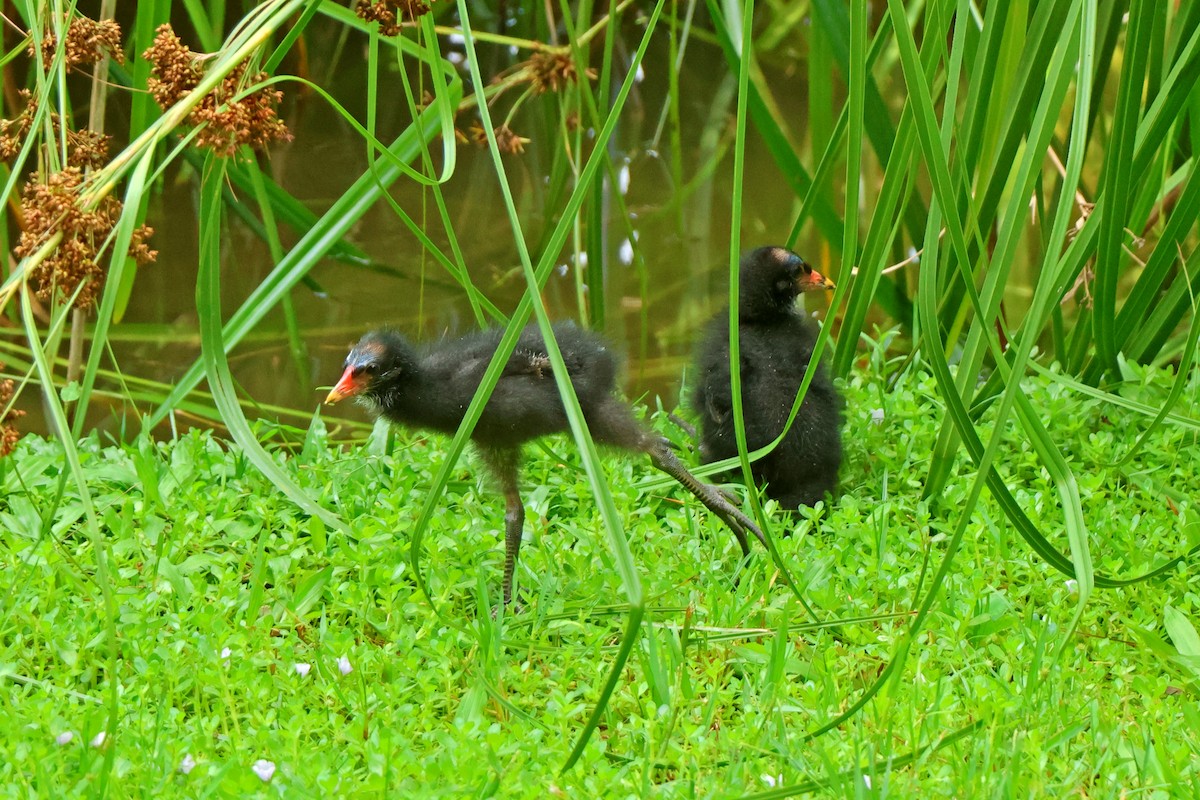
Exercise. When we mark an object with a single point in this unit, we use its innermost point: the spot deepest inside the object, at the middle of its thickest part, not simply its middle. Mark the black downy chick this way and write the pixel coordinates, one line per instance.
(431, 386)
(775, 344)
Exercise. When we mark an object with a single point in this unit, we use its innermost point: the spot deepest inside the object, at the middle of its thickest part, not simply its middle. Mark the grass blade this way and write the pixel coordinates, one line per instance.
(208, 308)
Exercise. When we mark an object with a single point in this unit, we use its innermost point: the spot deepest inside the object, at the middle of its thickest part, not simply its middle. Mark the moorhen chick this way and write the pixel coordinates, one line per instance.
(775, 345)
(431, 386)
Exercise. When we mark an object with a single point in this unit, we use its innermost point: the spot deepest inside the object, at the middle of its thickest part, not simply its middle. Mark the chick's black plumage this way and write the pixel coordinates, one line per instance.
(775, 345)
(430, 386)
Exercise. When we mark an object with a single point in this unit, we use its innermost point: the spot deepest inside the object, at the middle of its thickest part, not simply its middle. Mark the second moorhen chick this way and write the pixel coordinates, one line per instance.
(431, 387)
(775, 345)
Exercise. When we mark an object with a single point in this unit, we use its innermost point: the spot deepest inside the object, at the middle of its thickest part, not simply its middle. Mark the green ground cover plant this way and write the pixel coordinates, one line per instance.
(999, 603)
(249, 631)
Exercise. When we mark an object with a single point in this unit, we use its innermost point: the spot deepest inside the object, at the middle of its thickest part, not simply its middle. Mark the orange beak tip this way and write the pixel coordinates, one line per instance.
(345, 387)
(815, 281)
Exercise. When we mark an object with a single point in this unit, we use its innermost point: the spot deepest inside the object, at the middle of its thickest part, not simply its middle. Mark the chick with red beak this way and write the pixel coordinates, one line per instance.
(361, 368)
(775, 345)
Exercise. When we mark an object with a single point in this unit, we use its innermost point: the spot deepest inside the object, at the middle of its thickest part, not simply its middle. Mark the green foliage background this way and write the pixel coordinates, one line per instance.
(1007, 187)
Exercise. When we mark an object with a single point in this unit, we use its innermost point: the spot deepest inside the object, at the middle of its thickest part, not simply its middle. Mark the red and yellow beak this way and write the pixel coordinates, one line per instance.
(813, 281)
(349, 385)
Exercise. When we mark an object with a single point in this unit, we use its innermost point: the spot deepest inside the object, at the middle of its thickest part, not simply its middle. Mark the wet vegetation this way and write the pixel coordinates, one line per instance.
(215, 588)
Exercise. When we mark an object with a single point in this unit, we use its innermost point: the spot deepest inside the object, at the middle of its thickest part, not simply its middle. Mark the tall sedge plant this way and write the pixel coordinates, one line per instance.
(972, 155)
(982, 165)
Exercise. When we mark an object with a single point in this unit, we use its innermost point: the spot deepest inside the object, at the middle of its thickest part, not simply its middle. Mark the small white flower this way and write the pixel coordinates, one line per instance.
(877, 416)
(344, 666)
(64, 738)
(772, 780)
(98, 739)
(225, 654)
(302, 669)
(1072, 585)
(264, 769)
(187, 764)
(867, 781)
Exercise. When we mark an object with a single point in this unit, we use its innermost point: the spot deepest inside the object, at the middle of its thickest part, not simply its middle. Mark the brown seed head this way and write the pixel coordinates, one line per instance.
(390, 13)
(87, 42)
(228, 123)
(85, 148)
(554, 71)
(8, 418)
(54, 206)
(510, 142)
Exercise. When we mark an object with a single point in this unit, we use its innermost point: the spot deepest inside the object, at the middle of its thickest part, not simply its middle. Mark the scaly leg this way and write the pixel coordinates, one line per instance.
(663, 457)
(504, 464)
(514, 525)
(612, 423)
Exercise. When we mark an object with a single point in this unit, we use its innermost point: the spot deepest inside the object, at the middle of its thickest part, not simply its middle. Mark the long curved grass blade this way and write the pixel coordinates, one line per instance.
(212, 345)
(481, 307)
(745, 49)
(995, 178)
(521, 314)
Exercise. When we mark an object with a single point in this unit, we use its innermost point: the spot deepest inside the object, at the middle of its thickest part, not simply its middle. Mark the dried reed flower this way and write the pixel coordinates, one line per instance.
(85, 148)
(389, 13)
(54, 206)
(510, 142)
(88, 41)
(554, 71)
(506, 139)
(225, 123)
(8, 428)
